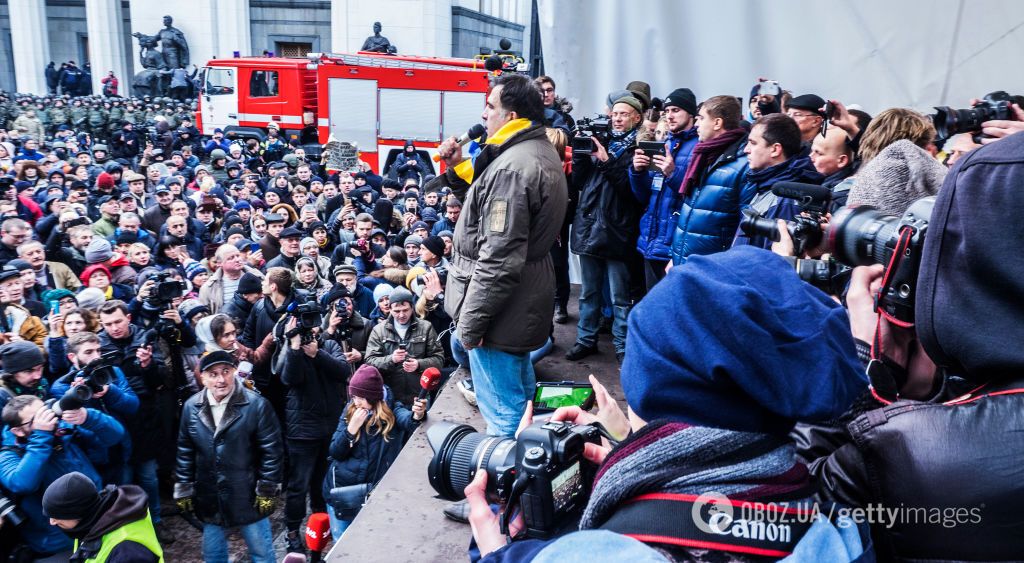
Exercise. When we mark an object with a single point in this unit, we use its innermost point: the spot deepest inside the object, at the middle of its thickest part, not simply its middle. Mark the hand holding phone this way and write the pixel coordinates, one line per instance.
(550, 395)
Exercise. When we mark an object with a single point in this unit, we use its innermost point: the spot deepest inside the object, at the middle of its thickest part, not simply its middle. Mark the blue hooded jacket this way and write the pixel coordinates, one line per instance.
(120, 402)
(27, 469)
(658, 223)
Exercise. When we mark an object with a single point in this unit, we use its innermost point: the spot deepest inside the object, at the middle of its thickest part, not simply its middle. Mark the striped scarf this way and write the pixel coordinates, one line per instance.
(619, 141)
(674, 457)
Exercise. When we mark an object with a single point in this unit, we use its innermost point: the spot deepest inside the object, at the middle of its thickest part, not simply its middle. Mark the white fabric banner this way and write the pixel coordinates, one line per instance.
(875, 53)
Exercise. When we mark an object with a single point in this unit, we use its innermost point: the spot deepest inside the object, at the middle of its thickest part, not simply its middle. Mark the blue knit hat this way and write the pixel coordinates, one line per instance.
(736, 340)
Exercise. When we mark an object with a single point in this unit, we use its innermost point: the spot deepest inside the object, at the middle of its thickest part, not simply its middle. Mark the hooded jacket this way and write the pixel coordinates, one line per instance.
(119, 506)
(502, 283)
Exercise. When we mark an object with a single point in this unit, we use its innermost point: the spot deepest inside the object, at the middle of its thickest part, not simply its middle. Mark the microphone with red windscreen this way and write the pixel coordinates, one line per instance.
(318, 534)
(429, 381)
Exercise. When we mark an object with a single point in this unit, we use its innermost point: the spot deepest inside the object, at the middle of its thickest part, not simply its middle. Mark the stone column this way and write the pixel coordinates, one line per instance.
(232, 28)
(339, 27)
(105, 23)
(30, 43)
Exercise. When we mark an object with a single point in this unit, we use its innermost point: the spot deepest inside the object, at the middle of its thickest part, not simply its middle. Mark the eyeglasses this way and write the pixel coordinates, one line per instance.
(22, 425)
(795, 114)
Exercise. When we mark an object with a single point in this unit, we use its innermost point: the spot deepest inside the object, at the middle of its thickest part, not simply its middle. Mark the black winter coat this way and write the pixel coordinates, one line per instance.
(959, 459)
(224, 471)
(238, 309)
(146, 425)
(607, 221)
(355, 462)
(316, 391)
(261, 321)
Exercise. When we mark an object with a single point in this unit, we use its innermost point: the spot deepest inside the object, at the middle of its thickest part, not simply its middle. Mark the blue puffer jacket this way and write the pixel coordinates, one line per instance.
(709, 216)
(26, 469)
(658, 223)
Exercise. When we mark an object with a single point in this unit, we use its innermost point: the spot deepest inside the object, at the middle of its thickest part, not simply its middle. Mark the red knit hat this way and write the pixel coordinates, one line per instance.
(90, 270)
(367, 383)
(104, 181)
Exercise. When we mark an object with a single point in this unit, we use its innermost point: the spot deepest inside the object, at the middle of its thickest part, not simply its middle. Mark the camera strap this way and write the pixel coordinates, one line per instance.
(717, 524)
(906, 234)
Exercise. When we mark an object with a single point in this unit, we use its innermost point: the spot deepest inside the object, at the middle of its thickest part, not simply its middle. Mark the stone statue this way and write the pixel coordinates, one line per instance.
(378, 43)
(174, 48)
(147, 82)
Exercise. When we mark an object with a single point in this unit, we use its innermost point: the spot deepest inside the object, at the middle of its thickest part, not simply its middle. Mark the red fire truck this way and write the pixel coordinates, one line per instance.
(376, 102)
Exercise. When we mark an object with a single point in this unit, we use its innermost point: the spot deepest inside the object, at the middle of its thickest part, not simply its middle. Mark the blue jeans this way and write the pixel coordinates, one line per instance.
(143, 474)
(338, 526)
(595, 272)
(462, 357)
(257, 536)
(503, 382)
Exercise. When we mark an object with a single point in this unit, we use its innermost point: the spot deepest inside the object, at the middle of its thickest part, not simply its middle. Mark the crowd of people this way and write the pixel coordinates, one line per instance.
(273, 317)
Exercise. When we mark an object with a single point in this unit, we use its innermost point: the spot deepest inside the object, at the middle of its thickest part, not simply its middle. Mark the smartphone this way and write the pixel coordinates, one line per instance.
(651, 148)
(403, 346)
(56, 308)
(254, 247)
(769, 88)
(830, 112)
(550, 395)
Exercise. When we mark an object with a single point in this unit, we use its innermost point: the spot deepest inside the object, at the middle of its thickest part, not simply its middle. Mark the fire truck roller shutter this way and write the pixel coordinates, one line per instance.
(410, 114)
(353, 111)
(462, 110)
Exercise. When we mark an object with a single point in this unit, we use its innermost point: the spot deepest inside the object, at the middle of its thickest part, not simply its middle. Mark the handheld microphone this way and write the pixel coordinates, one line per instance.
(318, 534)
(475, 132)
(429, 381)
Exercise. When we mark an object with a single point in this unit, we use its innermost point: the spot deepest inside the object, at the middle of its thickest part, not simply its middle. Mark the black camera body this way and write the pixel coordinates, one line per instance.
(543, 471)
(863, 236)
(100, 372)
(307, 315)
(442, 276)
(814, 200)
(588, 129)
(949, 121)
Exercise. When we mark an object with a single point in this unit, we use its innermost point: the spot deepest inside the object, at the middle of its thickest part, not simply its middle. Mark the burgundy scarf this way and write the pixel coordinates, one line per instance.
(706, 152)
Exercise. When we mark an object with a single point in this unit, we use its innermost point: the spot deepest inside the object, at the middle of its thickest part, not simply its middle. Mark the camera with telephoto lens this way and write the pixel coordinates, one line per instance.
(74, 398)
(161, 297)
(805, 231)
(588, 129)
(827, 275)
(862, 236)
(949, 121)
(344, 329)
(442, 276)
(10, 513)
(543, 471)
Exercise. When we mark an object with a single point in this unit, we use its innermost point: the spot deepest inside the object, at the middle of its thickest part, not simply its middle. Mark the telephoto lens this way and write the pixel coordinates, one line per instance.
(10, 513)
(459, 450)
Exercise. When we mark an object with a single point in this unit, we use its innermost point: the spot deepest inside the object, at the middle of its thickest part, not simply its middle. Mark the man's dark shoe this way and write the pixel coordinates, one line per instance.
(163, 534)
(295, 543)
(604, 326)
(579, 352)
(561, 315)
(458, 511)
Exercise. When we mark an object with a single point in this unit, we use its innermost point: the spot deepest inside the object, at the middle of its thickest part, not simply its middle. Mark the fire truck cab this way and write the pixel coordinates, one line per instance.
(375, 101)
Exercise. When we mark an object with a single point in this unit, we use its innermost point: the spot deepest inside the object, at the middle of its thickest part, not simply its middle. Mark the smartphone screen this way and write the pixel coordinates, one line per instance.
(552, 396)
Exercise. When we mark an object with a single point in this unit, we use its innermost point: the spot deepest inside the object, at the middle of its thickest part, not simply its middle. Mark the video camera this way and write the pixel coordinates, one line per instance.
(949, 121)
(308, 316)
(588, 129)
(543, 471)
(100, 372)
(863, 235)
(160, 298)
(805, 231)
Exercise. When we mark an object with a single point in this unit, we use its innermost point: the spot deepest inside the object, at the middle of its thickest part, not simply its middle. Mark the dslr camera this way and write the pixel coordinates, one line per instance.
(805, 231)
(949, 121)
(863, 235)
(307, 315)
(543, 471)
(588, 129)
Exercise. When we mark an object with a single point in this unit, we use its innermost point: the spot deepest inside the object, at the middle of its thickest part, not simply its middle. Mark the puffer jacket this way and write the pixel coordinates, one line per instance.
(709, 215)
(355, 462)
(316, 390)
(658, 223)
(607, 213)
(224, 469)
(502, 282)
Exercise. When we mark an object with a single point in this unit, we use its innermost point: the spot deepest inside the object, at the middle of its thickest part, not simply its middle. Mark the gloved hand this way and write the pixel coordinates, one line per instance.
(185, 504)
(264, 505)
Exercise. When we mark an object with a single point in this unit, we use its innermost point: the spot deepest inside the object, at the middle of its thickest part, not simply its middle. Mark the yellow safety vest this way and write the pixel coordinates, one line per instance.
(140, 531)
